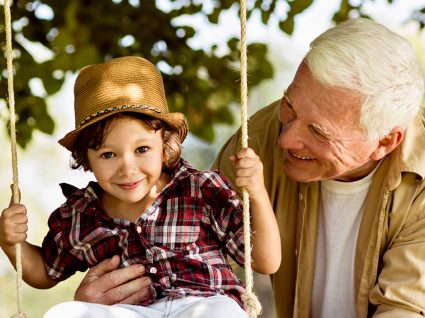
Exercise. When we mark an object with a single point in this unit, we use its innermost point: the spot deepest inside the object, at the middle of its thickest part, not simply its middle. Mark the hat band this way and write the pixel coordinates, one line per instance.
(115, 108)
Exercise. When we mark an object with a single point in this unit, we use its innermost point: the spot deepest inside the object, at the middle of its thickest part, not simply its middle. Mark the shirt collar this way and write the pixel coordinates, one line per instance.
(412, 150)
(410, 155)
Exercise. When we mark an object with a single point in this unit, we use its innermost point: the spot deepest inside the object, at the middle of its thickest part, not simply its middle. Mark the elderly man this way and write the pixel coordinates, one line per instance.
(344, 159)
(344, 165)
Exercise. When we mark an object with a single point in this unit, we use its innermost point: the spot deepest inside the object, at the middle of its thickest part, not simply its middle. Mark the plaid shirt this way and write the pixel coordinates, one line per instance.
(183, 238)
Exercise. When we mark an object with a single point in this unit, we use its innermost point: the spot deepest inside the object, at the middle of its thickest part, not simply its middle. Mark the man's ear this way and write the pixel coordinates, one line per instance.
(388, 143)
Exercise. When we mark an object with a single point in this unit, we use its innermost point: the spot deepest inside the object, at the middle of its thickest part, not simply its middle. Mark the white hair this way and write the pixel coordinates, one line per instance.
(365, 57)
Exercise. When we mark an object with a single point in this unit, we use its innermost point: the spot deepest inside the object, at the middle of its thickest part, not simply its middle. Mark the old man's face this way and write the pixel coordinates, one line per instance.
(320, 137)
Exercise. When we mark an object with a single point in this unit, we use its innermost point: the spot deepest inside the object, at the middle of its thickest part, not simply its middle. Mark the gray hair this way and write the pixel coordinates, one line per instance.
(365, 57)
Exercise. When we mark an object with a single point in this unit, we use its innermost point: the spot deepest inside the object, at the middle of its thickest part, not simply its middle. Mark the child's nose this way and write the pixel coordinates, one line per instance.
(128, 166)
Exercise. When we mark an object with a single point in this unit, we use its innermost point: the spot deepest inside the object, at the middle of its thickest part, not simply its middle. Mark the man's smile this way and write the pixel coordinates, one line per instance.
(300, 156)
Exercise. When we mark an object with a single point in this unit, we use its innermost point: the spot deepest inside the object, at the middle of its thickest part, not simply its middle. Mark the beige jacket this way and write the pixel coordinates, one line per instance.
(390, 253)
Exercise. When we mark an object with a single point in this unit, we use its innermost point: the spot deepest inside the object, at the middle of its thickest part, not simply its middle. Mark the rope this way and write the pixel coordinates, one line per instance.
(250, 300)
(15, 188)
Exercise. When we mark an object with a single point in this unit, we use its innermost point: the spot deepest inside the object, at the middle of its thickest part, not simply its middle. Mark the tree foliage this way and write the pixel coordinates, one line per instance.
(200, 83)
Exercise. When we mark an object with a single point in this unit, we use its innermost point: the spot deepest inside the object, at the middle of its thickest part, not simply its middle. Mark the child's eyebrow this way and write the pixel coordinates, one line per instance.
(141, 140)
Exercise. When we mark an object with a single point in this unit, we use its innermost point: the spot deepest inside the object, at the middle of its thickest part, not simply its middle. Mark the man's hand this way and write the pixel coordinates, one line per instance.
(105, 284)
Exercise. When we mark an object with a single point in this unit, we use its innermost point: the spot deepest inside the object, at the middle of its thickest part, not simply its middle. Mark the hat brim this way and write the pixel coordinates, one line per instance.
(176, 122)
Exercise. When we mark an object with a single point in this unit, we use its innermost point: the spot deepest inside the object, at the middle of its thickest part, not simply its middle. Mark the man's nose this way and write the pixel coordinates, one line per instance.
(291, 135)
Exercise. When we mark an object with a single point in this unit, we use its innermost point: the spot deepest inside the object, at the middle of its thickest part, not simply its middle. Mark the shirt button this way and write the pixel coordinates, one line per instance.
(153, 270)
(300, 196)
(139, 229)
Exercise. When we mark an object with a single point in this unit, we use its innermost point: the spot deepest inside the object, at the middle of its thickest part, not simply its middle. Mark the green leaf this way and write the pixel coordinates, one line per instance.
(201, 84)
(299, 6)
(287, 26)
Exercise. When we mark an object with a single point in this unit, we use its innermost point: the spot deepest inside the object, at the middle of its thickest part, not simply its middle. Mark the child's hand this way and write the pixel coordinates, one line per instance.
(249, 171)
(13, 225)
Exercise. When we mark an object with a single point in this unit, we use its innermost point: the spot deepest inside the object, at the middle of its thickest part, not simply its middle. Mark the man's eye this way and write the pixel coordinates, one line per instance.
(107, 155)
(142, 149)
(288, 106)
(318, 133)
(286, 112)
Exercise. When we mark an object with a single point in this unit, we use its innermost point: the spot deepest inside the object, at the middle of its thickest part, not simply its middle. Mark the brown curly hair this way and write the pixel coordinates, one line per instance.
(94, 135)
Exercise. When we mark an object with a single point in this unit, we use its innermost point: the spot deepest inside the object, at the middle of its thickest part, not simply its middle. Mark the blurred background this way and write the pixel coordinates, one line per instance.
(195, 45)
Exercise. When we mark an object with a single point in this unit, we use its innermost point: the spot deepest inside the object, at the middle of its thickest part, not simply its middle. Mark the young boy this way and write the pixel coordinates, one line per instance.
(148, 205)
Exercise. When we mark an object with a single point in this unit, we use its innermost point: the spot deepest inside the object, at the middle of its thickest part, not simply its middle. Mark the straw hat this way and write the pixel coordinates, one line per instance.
(125, 84)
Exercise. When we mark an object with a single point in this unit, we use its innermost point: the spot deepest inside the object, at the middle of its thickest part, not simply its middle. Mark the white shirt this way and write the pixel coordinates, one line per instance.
(340, 211)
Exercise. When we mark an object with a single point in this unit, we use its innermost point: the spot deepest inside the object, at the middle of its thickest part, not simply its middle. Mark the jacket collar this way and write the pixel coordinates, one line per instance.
(410, 155)
(413, 148)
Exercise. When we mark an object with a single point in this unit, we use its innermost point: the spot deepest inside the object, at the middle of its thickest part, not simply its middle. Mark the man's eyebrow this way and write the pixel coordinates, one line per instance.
(322, 130)
(287, 98)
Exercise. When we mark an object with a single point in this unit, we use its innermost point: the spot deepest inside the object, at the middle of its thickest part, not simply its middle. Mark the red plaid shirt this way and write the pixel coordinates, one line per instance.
(183, 238)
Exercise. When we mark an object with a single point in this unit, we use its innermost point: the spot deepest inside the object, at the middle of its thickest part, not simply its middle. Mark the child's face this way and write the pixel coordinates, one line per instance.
(128, 165)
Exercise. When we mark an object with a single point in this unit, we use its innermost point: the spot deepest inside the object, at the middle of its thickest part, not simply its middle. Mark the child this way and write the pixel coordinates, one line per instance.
(148, 205)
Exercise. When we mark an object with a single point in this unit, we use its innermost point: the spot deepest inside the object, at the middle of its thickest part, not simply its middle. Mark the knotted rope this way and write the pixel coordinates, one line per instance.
(250, 300)
(15, 187)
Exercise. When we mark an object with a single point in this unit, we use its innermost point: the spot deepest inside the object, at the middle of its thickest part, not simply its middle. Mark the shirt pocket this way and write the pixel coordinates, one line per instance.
(175, 236)
(178, 224)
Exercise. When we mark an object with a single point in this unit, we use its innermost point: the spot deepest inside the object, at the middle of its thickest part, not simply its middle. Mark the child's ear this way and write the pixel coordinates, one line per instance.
(388, 143)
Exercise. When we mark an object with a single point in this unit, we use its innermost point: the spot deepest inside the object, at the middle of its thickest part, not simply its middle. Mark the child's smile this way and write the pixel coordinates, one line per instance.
(129, 186)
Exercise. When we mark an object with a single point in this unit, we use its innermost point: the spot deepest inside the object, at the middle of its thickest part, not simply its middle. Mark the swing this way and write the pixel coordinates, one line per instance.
(250, 300)
(15, 188)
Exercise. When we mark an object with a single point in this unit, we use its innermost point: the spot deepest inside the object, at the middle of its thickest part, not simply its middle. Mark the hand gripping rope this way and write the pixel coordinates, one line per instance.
(250, 300)
(15, 188)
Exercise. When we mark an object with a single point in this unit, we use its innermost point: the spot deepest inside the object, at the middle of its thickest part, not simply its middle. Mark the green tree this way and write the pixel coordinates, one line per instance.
(200, 83)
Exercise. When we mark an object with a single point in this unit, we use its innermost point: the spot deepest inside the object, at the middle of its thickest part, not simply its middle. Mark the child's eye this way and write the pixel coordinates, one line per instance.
(107, 155)
(142, 149)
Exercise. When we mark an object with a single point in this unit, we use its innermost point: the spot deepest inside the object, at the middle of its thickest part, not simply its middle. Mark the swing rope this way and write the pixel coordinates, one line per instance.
(250, 300)
(15, 187)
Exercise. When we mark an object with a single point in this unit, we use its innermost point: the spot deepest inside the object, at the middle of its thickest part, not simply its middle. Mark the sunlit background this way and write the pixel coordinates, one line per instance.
(44, 164)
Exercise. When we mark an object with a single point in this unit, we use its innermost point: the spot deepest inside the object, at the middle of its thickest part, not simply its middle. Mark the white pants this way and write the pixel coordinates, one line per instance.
(185, 307)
